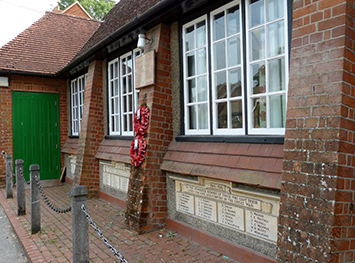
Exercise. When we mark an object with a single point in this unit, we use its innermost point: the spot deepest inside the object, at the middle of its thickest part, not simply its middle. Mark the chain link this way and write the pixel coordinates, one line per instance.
(46, 200)
(23, 178)
(96, 228)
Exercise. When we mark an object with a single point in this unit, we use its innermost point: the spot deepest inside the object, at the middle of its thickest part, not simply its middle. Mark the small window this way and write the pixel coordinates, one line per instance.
(122, 96)
(229, 90)
(77, 91)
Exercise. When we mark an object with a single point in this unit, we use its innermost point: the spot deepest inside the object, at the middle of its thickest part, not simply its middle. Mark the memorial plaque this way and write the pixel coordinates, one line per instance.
(231, 216)
(124, 184)
(115, 181)
(106, 178)
(185, 203)
(261, 225)
(206, 208)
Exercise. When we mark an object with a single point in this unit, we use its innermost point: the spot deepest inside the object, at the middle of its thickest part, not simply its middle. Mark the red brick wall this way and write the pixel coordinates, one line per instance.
(31, 84)
(91, 131)
(316, 222)
(146, 200)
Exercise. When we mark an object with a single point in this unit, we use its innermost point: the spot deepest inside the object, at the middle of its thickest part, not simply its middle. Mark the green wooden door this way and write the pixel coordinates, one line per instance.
(36, 134)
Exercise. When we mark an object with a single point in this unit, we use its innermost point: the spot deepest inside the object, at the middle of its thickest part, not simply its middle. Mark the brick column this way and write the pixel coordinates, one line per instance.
(146, 200)
(91, 131)
(316, 222)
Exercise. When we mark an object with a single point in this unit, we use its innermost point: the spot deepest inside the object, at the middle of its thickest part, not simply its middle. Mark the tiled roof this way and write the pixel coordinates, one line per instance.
(47, 45)
(122, 13)
(246, 163)
(114, 150)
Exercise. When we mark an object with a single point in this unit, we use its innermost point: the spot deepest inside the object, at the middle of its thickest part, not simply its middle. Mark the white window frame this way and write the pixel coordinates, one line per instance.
(195, 77)
(245, 66)
(77, 92)
(115, 101)
(228, 99)
(267, 130)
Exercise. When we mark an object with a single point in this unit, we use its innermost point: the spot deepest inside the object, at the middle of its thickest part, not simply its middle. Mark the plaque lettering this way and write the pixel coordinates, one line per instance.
(185, 203)
(231, 216)
(206, 208)
(261, 225)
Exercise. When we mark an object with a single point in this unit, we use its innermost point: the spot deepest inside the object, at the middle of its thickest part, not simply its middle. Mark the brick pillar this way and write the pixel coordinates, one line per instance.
(91, 131)
(316, 222)
(146, 200)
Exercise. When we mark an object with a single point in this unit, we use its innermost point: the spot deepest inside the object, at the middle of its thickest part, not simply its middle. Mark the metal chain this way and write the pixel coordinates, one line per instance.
(46, 200)
(23, 179)
(96, 228)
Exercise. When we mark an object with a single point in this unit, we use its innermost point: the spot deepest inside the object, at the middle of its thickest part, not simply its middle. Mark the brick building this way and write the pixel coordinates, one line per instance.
(250, 143)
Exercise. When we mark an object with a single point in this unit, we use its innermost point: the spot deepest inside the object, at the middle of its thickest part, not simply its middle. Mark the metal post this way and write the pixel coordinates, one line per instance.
(9, 177)
(35, 200)
(20, 188)
(80, 225)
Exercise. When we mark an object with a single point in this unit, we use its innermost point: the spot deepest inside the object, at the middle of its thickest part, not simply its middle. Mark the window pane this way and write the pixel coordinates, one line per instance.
(235, 82)
(129, 84)
(124, 67)
(233, 20)
(257, 44)
(190, 64)
(201, 34)
(129, 64)
(130, 103)
(256, 13)
(220, 55)
(237, 114)
(276, 39)
(275, 9)
(192, 90)
(113, 123)
(219, 26)
(258, 71)
(277, 111)
(115, 93)
(222, 115)
(221, 85)
(112, 106)
(276, 74)
(124, 85)
(201, 61)
(234, 58)
(130, 122)
(202, 116)
(202, 89)
(124, 123)
(117, 123)
(124, 100)
(192, 117)
(259, 112)
(190, 41)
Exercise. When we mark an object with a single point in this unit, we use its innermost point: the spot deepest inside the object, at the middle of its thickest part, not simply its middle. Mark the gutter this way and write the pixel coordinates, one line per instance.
(104, 42)
(27, 73)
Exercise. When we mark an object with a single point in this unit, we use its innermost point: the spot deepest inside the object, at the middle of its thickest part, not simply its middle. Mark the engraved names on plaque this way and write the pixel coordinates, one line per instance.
(261, 225)
(185, 203)
(231, 216)
(217, 202)
(206, 208)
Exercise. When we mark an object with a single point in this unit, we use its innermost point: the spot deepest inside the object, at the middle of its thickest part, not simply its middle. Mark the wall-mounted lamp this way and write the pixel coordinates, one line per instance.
(142, 41)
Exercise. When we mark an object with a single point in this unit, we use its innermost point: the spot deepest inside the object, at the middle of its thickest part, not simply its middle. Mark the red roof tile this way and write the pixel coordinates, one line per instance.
(47, 45)
(114, 150)
(252, 164)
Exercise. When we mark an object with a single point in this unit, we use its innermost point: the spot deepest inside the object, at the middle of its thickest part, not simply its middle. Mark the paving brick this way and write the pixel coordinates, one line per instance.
(54, 242)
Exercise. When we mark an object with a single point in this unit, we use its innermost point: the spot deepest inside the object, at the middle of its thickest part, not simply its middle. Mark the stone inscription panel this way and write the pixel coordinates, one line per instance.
(222, 196)
(116, 177)
(261, 225)
(217, 202)
(206, 208)
(231, 216)
(185, 203)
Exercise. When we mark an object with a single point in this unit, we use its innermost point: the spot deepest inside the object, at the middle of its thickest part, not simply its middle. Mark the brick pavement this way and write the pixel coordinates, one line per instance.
(54, 242)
